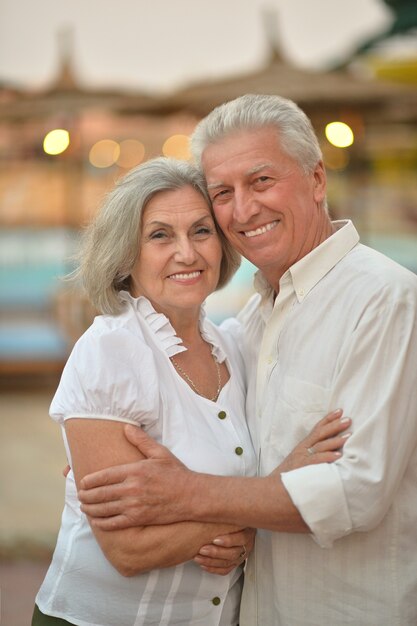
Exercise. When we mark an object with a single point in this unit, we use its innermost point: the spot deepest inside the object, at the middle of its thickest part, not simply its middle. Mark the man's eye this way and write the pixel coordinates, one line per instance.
(221, 194)
(262, 179)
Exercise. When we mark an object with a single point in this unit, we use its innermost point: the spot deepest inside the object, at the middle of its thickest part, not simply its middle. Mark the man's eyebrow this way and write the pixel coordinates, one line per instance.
(250, 172)
(258, 168)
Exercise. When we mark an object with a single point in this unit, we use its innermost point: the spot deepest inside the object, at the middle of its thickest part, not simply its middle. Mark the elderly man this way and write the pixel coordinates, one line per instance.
(333, 324)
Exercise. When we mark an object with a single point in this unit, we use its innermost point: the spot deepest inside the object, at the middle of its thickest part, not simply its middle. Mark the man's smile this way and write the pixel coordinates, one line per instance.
(261, 230)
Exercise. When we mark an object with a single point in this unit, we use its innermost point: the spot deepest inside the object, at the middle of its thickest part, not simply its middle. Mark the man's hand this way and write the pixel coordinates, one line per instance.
(226, 552)
(121, 497)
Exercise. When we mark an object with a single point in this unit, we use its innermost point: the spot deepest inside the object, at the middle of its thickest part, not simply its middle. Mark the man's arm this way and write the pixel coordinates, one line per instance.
(97, 444)
(160, 490)
(376, 382)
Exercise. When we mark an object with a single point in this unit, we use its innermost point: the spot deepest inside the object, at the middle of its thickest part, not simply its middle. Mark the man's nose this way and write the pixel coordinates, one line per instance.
(244, 207)
(185, 251)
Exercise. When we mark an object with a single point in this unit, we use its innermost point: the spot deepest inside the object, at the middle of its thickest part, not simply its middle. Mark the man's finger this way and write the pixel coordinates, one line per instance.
(118, 522)
(107, 509)
(108, 476)
(145, 444)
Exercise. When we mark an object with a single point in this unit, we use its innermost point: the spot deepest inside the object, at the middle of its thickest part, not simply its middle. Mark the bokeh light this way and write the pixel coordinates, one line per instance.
(104, 153)
(56, 141)
(339, 134)
(132, 153)
(177, 146)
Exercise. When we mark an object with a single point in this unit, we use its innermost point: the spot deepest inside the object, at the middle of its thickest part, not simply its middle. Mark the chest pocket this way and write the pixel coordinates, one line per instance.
(290, 413)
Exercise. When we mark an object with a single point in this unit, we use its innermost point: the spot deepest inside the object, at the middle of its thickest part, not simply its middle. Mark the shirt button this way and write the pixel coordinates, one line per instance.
(301, 292)
(216, 601)
(221, 415)
(269, 360)
(239, 450)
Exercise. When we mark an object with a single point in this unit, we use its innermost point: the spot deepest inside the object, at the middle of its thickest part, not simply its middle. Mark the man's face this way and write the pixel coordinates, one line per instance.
(269, 210)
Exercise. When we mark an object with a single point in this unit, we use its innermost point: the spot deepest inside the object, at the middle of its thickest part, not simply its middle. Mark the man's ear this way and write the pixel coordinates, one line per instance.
(320, 182)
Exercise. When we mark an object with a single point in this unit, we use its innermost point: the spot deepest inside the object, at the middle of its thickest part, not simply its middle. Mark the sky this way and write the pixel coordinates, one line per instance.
(162, 45)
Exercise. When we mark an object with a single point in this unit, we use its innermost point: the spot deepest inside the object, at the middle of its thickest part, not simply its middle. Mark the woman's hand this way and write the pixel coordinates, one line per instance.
(322, 445)
(226, 552)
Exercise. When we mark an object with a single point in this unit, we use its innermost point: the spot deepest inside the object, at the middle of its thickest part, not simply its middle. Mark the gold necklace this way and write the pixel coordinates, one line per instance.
(188, 379)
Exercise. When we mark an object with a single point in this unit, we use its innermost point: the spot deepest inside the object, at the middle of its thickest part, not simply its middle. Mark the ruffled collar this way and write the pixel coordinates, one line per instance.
(164, 332)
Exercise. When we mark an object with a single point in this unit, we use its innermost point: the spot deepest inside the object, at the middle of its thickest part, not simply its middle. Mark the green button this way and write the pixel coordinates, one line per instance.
(221, 415)
(239, 450)
(216, 601)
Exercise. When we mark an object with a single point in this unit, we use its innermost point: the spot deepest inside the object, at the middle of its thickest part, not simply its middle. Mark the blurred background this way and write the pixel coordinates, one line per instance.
(89, 90)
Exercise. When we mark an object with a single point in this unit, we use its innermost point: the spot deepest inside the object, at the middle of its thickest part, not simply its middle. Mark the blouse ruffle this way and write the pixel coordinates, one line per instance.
(165, 333)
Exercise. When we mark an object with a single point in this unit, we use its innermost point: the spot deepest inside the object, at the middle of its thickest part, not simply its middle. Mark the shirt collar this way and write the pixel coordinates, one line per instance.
(308, 271)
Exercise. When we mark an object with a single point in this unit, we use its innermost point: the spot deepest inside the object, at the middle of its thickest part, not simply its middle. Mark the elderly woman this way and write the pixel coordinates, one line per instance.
(153, 360)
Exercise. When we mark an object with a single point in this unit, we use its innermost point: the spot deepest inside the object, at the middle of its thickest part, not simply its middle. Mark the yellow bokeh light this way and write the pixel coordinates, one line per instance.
(56, 141)
(339, 134)
(177, 146)
(104, 153)
(131, 153)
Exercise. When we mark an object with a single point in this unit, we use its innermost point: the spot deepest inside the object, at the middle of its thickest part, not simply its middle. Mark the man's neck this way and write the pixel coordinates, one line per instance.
(323, 232)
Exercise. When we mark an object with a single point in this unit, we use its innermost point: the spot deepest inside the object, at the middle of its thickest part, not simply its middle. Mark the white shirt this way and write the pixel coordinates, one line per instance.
(120, 370)
(341, 333)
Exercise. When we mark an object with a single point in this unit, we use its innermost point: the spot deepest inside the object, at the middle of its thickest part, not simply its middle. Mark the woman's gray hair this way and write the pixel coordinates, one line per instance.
(110, 244)
(294, 128)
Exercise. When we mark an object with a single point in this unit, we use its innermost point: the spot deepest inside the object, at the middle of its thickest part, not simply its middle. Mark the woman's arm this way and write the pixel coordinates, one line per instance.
(97, 444)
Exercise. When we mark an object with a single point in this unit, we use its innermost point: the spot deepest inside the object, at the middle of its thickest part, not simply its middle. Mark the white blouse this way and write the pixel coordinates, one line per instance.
(120, 370)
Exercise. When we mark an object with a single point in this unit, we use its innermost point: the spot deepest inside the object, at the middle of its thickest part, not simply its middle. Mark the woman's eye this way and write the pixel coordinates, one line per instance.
(203, 231)
(158, 235)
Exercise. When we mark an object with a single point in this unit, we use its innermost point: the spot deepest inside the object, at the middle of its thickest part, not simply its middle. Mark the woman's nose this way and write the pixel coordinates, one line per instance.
(185, 251)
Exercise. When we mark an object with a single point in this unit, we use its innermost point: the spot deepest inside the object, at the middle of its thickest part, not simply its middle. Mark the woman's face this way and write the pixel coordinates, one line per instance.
(179, 256)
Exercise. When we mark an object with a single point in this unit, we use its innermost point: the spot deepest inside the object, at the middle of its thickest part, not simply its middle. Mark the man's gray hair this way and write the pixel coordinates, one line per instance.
(111, 243)
(295, 131)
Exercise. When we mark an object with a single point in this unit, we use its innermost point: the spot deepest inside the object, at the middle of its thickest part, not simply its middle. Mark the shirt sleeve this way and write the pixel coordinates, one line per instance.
(110, 374)
(377, 387)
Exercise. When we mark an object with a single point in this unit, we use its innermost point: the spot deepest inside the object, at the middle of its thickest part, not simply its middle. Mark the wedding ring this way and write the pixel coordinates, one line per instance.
(310, 450)
(243, 554)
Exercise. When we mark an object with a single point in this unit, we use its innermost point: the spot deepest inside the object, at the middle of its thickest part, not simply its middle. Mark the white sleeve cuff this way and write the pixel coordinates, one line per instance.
(317, 492)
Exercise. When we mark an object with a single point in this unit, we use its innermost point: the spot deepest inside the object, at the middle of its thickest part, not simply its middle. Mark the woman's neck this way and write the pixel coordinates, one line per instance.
(187, 328)
(185, 322)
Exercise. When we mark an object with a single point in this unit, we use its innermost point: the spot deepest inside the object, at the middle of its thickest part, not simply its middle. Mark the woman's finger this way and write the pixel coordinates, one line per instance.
(223, 563)
(217, 552)
(327, 430)
(219, 571)
(333, 443)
